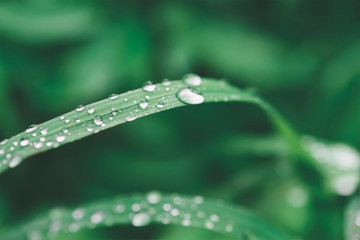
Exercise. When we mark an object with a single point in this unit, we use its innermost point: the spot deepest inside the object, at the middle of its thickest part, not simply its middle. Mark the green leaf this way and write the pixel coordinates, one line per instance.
(118, 109)
(141, 210)
(352, 219)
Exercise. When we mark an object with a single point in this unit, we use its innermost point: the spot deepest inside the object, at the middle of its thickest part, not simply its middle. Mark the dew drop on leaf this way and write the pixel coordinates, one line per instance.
(113, 96)
(91, 110)
(14, 161)
(31, 128)
(141, 219)
(79, 108)
(149, 87)
(192, 79)
(190, 96)
(143, 104)
(60, 137)
(24, 142)
(98, 120)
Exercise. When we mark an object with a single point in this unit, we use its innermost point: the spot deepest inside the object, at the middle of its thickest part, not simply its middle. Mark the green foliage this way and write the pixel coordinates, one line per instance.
(142, 210)
(302, 56)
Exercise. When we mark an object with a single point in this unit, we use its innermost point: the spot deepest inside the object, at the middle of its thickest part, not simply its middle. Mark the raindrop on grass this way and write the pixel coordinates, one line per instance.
(113, 96)
(98, 120)
(190, 96)
(79, 108)
(143, 104)
(44, 131)
(166, 82)
(97, 217)
(131, 117)
(24, 142)
(149, 87)
(192, 79)
(14, 161)
(38, 145)
(31, 128)
(78, 213)
(60, 137)
(91, 110)
(153, 197)
(160, 104)
(141, 219)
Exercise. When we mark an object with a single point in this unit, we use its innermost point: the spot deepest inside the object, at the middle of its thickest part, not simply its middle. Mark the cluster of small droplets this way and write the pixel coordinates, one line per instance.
(138, 210)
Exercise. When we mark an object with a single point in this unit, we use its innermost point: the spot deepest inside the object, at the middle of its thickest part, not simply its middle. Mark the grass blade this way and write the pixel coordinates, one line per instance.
(352, 219)
(141, 210)
(118, 109)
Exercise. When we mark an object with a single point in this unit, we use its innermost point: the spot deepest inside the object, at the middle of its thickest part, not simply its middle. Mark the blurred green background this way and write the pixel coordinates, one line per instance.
(303, 56)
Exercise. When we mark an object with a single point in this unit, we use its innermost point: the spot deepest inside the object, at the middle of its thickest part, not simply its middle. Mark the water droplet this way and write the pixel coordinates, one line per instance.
(44, 131)
(160, 104)
(167, 207)
(229, 228)
(60, 137)
(141, 219)
(98, 120)
(136, 207)
(79, 108)
(24, 142)
(144, 104)
(97, 217)
(2, 151)
(214, 218)
(153, 197)
(119, 208)
(15, 143)
(198, 200)
(208, 224)
(77, 119)
(190, 96)
(131, 117)
(14, 161)
(111, 116)
(66, 130)
(192, 79)
(38, 145)
(91, 110)
(62, 117)
(149, 87)
(113, 96)
(166, 82)
(78, 213)
(42, 139)
(31, 128)
(49, 144)
(174, 212)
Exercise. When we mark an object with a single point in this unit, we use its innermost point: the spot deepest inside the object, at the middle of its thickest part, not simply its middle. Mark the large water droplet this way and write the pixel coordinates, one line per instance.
(113, 96)
(31, 128)
(91, 110)
(78, 213)
(160, 104)
(24, 142)
(192, 79)
(79, 108)
(14, 161)
(144, 104)
(190, 96)
(153, 197)
(38, 145)
(166, 82)
(97, 217)
(98, 120)
(131, 117)
(44, 131)
(60, 137)
(141, 219)
(149, 87)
